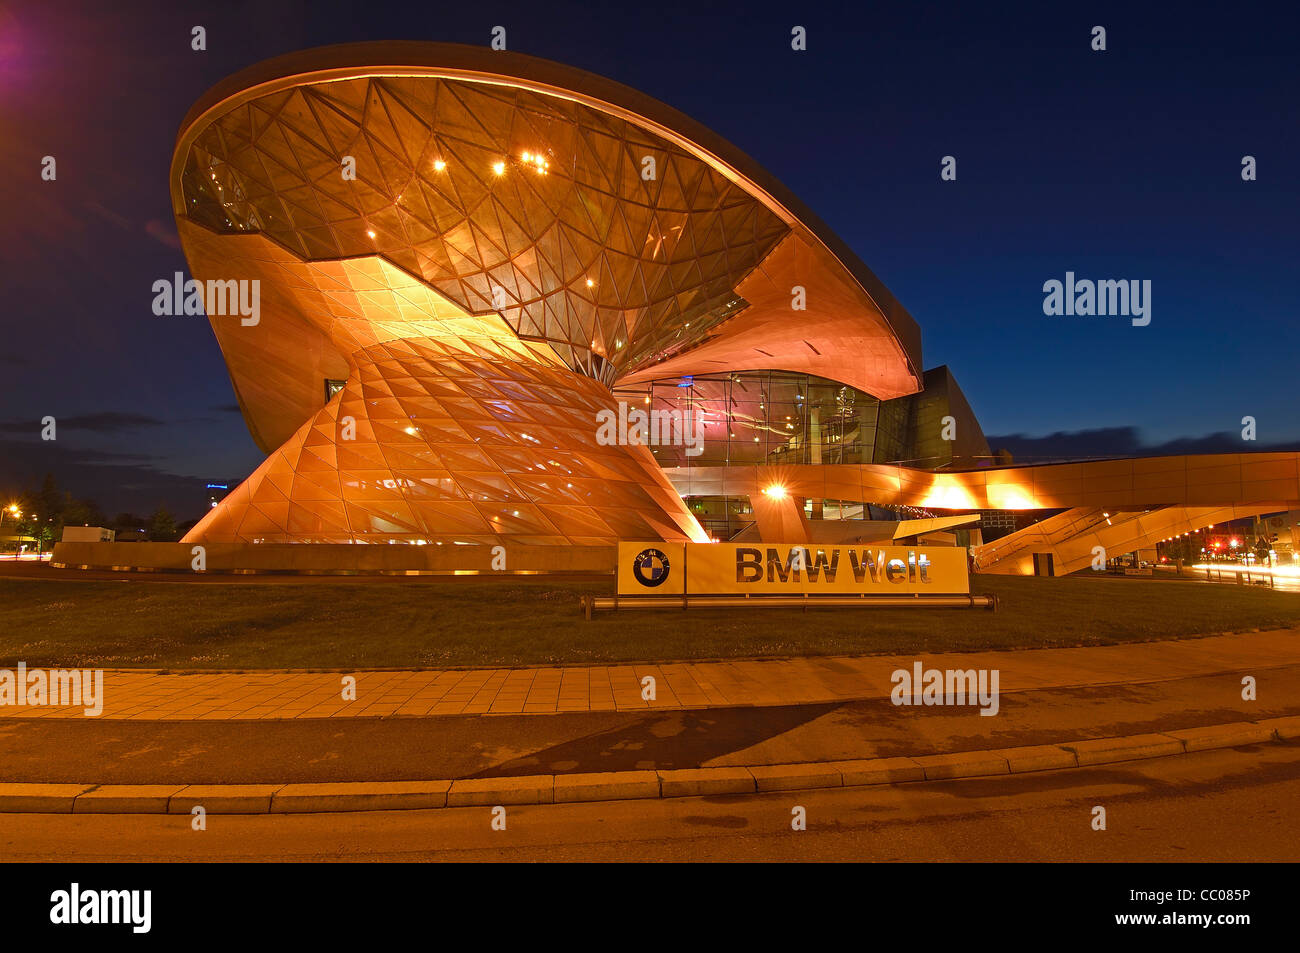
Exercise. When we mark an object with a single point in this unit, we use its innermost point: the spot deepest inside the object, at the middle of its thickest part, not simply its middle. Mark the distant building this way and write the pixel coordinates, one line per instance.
(216, 493)
(88, 534)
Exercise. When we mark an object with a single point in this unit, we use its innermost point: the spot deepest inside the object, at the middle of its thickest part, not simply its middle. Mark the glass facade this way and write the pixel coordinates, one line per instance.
(753, 418)
(485, 259)
(721, 516)
(503, 200)
(724, 516)
(770, 417)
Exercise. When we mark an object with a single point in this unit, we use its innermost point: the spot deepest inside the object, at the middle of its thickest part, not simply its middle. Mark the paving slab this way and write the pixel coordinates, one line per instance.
(796, 777)
(965, 764)
(127, 799)
(540, 691)
(606, 786)
(530, 789)
(1109, 750)
(1222, 736)
(696, 782)
(360, 796)
(880, 771)
(1037, 758)
(40, 798)
(1286, 728)
(224, 798)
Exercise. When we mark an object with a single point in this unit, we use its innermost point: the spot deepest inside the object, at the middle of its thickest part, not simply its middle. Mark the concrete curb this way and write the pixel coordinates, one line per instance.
(24, 798)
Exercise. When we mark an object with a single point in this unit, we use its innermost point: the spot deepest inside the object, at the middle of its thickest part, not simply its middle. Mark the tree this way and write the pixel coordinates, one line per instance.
(82, 513)
(128, 522)
(45, 536)
(46, 507)
(162, 526)
(1187, 548)
(49, 502)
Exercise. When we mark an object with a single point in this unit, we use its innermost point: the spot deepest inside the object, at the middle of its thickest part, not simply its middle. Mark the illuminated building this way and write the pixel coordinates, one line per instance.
(466, 256)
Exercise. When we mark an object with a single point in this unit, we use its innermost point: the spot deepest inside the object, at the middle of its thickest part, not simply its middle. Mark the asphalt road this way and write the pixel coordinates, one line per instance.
(1226, 805)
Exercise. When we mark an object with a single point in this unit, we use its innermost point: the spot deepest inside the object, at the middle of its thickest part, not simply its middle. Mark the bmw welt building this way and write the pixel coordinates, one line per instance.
(504, 302)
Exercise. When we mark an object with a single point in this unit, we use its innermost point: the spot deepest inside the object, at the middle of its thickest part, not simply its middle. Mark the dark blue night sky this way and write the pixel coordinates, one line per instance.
(1122, 164)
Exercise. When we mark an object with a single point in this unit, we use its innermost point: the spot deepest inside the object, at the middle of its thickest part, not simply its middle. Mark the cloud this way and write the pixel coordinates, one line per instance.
(155, 228)
(1121, 442)
(107, 422)
(118, 482)
(163, 232)
(121, 221)
(86, 455)
(226, 408)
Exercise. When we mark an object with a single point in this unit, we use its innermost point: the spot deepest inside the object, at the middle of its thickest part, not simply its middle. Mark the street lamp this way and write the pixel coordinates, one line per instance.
(12, 510)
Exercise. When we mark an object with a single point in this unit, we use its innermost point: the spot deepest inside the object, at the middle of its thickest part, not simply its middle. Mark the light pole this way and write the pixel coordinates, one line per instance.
(12, 510)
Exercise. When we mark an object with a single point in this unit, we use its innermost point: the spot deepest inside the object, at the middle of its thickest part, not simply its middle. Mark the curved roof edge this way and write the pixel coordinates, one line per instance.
(482, 64)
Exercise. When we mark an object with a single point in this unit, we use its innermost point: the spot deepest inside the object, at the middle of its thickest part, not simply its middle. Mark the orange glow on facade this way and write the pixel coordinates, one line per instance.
(949, 493)
(1010, 496)
(438, 381)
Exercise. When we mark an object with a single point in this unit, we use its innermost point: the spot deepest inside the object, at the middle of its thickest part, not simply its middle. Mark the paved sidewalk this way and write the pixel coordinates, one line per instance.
(283, 695)
(281, 798)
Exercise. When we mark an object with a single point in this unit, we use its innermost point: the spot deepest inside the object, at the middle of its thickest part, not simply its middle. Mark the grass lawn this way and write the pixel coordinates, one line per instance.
(181, 626)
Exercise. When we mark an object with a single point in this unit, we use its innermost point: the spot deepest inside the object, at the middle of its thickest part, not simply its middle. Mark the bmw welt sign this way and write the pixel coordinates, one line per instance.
(672, 569)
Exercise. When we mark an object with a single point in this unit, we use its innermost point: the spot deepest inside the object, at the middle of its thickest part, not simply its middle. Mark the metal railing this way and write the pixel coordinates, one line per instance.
(590, 604)
(1239, 573)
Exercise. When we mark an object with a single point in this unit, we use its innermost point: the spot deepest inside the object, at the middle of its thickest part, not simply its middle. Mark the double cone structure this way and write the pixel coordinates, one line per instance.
(459, 254)
(464, 257)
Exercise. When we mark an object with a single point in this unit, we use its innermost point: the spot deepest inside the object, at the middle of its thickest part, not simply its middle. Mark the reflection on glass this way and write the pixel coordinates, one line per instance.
(768, 417)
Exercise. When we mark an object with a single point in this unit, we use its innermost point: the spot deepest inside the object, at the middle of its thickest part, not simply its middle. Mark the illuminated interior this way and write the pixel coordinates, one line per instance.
(467, 256)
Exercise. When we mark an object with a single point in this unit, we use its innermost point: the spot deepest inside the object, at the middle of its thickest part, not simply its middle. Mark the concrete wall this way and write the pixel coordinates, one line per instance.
(290, 557)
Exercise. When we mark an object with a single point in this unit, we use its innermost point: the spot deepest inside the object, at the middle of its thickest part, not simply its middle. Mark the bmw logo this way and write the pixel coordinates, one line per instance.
(650, 568)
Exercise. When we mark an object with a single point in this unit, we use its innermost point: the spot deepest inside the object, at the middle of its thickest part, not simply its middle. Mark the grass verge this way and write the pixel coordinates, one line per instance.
(411, 625)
